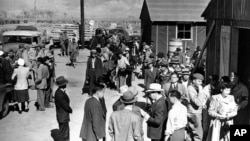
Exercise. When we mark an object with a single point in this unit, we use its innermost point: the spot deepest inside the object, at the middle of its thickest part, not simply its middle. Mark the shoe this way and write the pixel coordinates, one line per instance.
(26, 110)
(50, 106)
(59, 54)
(41, 110)
(36, 105)
(20, 112)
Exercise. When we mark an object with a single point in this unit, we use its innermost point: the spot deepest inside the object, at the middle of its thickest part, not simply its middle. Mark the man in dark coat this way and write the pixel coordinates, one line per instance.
(93, 125)
(156, 119)
(240, 93)
(94, 70)
(63, 108)
(151, 74)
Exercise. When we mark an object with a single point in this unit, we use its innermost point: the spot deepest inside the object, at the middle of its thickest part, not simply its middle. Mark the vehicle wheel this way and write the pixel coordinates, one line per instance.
(5, 109)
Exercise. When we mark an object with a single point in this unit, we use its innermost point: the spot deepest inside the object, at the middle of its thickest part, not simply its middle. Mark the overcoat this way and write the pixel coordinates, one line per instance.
(157, 121)
(151, 77)
(62, 106)
(93, 74)
(93, 125)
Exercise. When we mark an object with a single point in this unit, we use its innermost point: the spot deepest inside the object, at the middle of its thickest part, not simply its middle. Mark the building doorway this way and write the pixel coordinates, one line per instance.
(243, 68)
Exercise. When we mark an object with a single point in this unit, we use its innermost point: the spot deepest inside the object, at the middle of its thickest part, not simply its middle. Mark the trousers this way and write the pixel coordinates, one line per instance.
(41, 98)
(195, 127)
(64, 130)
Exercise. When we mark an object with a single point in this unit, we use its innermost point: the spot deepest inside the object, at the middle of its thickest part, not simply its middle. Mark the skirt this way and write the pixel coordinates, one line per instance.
(21, 95)
(178, 135)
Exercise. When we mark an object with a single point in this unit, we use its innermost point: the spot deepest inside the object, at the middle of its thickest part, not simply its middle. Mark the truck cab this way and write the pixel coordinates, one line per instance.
(12, 39)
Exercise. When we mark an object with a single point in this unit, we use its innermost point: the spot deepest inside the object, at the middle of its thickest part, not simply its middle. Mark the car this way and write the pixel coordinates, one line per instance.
(5, 98)
(55, 34)
(120, 32)
(12, 39)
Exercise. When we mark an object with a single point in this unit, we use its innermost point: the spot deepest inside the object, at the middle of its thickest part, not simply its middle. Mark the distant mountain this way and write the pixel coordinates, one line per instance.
(113, 8)
(93, 8)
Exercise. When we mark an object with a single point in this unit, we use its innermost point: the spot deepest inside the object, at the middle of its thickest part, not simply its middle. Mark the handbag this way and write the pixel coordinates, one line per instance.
(86, 86)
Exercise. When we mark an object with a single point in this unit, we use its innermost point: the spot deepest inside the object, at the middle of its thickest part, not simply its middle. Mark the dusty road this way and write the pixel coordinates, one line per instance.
(36, 125)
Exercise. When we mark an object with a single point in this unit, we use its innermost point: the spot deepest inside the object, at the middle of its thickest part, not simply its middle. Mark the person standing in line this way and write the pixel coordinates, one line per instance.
(121, 71)
(63, 43)
(93, 125)
(186, 77)
(63, 108)
(177, 118)
(156, 119)
(195, 99)
(8, 66)
(175, 85)
(181, 56)
(21, 93)
(94, 70)
(41, 83)
(73, 47)
(151, 74)
(222, 109)
(240, 93)
(48, 91)
(125, 124)
(196, 54)
(164, 76)
(118, 102)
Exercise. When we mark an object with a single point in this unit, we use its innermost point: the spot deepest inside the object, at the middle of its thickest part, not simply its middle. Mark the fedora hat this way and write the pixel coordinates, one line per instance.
(128, 97)
(149, 61)
(1, 52)
(154, 87)
(60, 81)
(174, 61)
(20, 62)
(164, 64)
(123, 89)
(185, 71)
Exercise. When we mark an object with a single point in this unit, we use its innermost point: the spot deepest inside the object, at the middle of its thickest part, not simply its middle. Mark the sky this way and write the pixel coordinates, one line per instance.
(93, 8)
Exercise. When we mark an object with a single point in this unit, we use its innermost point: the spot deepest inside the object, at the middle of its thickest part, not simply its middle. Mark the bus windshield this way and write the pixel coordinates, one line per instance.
(17, 39)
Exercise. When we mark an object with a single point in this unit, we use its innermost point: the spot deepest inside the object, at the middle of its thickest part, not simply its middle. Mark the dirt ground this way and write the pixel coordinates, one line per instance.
(36, 125)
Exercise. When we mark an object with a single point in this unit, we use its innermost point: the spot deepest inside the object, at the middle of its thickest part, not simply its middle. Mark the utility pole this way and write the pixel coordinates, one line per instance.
(35, 11)
(82, 28)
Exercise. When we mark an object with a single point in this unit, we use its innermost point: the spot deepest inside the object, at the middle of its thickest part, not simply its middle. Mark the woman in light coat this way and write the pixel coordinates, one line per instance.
(21, 93)
(222, 109)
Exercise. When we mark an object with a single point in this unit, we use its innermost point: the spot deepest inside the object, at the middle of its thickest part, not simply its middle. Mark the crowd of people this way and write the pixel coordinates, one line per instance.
(29, 67)
(179, 105)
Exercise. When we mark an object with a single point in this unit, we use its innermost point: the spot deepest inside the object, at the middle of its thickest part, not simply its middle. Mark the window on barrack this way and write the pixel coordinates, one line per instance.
(184, 31)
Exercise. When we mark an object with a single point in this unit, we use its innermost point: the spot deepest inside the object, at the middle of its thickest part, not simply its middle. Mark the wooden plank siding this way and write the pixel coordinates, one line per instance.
(167, 31)
(232, 13)
(164, 15)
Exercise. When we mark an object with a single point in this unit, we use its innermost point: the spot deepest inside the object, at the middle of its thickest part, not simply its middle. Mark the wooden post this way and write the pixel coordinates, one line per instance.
(167, 40)
(82, 24)
(204, 47)
(157, 36)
